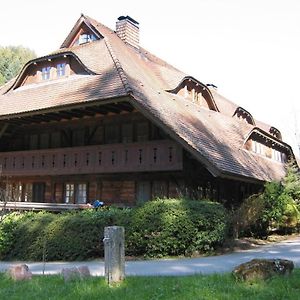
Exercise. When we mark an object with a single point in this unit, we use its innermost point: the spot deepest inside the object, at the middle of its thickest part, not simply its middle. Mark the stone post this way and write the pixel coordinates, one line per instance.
(114, 254)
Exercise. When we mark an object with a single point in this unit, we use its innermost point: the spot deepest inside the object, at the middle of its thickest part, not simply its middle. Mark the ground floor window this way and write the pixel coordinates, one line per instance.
(28, 192)
(75, 193)
(81, 196)
(69, 192)
(14, 191)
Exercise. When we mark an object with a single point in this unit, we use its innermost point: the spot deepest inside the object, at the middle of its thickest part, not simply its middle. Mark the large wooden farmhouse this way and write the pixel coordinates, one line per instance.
(102, 118)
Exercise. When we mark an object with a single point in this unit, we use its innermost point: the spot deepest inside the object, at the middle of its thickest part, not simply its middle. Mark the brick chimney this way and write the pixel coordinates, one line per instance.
(128, 30)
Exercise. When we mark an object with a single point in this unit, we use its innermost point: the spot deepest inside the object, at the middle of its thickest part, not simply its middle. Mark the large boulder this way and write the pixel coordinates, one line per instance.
(19, 272)
(263, 269)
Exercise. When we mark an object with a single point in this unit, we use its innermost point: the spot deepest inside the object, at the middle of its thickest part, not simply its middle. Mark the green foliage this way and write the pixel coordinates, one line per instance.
(277, 207)
(65, 236)
(162, 227)
(247, 215)
(12, 59)
(291, 182)
(176, 227)
(274, 203)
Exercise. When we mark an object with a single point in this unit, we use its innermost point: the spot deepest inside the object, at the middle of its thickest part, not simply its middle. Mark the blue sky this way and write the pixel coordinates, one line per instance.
(248, 48)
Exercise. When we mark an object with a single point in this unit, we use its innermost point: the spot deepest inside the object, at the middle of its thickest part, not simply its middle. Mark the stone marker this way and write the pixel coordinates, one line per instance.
(263, 269)
(75, 273)
(19, 272)
(114, 254)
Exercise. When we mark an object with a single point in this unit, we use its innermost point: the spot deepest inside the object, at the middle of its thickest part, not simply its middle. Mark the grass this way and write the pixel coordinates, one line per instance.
(190, 287)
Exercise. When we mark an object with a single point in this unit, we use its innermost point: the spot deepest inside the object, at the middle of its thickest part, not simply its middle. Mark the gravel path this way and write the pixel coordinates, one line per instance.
(288, 249)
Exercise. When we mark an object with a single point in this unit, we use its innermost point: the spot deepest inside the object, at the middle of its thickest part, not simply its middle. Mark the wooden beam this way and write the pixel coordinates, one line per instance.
(112, 108)
(84, 112)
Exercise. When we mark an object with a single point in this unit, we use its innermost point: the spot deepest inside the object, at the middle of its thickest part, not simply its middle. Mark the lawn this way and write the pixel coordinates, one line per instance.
(190, 287)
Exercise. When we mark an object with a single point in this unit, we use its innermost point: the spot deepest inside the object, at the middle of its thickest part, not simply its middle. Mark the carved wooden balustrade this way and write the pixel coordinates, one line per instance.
(162, 155)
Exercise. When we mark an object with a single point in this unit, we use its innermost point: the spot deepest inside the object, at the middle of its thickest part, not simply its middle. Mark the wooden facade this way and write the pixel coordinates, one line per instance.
(117, 156)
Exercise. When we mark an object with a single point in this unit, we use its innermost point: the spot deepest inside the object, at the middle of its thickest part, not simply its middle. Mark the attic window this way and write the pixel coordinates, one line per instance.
(85, 38)
(267, 148)
(196, 92)
(61, 70)
(46, 73)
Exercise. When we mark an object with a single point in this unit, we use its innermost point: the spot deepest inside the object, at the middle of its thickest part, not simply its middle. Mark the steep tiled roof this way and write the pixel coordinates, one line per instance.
(214, 138)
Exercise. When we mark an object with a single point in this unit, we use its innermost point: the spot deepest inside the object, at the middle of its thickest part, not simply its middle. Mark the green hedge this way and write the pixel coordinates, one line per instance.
(159, 228)
(176, 227)
(65, 236)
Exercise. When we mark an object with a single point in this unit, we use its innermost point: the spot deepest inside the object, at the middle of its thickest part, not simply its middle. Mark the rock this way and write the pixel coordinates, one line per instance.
(84, 271)
(19, 272)
(75, 273)
(263, 269)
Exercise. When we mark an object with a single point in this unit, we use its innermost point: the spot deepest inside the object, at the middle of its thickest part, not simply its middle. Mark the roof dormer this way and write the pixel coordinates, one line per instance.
(244, 115)
(83, 32)
(49, 68)
(275, 132)
(196, 92)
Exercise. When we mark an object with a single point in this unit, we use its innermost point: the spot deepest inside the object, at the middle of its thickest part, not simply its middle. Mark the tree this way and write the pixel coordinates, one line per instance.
(276, 208)
(12, 59)
(291, 182)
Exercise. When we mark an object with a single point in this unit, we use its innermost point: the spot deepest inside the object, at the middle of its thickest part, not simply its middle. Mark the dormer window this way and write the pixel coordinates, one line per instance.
(196, 92)
(46, 73)
(85, 38)
(267, 147)
(61, 70)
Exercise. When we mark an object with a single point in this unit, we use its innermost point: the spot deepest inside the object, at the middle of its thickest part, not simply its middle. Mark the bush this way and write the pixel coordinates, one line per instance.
(247, 215)
(276, 209)
(159, 228)
(65, 236)
(176, 227)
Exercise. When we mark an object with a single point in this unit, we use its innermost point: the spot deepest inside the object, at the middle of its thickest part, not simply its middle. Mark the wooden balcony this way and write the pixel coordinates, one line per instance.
(163, 155)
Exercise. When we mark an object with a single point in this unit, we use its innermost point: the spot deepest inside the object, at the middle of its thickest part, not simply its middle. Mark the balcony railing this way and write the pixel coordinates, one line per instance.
(41, 206)
(163, 155)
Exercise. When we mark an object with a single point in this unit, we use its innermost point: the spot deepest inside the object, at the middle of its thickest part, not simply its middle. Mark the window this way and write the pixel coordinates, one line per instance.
(14, 191)
(69, 192)
(81, 196)
(61, 70)
(28, 192)
(75, 193)
(258, 147)
(279, 156)
(86, 38)
(46, 73)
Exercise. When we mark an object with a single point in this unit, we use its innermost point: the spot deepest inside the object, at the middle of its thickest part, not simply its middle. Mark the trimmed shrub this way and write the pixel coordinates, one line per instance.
(176, 227)
(159, 228)
(65, 236)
